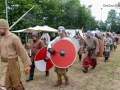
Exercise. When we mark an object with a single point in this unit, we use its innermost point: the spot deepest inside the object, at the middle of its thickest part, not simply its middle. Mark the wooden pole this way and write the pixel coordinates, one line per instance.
(21, 18)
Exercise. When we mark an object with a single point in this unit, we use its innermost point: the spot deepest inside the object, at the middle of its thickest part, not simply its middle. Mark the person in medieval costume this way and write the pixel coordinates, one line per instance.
(90, 48)
(68, 34)
(60, 71)
(10, 48)
(107, 41)
(35, 46)
(97, 36)
(80, 40)
(114, 39)
(46, 38)
(28, 46)
(117, 39)
(52, 36)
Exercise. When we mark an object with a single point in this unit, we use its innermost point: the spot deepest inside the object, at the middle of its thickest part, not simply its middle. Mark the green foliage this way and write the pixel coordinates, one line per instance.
(112, 21)
(69, 13)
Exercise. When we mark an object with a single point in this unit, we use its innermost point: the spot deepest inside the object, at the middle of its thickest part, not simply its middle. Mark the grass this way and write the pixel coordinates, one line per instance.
(106, 76)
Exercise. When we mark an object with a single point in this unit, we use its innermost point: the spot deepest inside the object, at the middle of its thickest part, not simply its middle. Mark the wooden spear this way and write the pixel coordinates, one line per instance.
(21, 18)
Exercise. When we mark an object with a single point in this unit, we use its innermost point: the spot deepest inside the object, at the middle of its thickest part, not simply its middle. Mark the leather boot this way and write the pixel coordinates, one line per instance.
(106, 59)
(29, 79)
(18, 87)
(67, 81)
(59, 82)
(47, 73)
(86, 70)
(80, 57)
(93, 67)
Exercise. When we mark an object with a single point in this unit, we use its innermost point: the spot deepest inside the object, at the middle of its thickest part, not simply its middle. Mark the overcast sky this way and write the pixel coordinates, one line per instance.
(98, 4)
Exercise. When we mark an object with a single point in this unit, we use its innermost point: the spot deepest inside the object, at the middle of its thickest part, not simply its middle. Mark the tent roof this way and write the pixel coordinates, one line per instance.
(37, 29)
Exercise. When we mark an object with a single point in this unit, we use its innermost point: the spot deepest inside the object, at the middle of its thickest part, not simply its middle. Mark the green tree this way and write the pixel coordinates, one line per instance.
(69, 13)
(17, 8)
(2, 9)
(112, 20)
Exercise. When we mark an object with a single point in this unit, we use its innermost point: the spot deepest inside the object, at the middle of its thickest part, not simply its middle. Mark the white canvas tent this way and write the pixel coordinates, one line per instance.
(48, 29)
(37, 29)
(72, 32)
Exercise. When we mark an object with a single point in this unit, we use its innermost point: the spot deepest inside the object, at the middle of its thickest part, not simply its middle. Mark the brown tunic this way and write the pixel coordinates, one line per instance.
(35, 47)
(11, 47)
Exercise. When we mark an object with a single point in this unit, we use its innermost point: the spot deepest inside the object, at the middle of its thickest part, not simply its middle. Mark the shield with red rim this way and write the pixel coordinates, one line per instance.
(40, 62)
(65, 54)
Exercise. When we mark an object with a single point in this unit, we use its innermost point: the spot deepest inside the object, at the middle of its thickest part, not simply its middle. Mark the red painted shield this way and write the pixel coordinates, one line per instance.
(39, 60)
(65, 54)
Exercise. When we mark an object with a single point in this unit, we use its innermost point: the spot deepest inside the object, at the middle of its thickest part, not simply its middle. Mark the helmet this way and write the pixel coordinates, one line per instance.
(76, 31)
(68, 33)
(4, 24)
(89, 32)
(60, 29)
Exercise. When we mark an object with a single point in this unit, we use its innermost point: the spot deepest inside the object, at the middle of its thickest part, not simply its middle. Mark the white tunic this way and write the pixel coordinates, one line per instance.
(107, 42)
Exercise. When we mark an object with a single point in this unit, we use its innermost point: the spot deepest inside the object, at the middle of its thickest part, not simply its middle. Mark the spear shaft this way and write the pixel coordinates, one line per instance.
(21, 18)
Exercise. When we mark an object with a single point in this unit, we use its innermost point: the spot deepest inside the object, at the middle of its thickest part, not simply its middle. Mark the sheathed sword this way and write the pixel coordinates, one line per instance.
(21, 18)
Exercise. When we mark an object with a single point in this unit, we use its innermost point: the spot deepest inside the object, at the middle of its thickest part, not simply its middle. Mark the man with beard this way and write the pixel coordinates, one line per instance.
(107, 41)
(114, 39)
(90, 48)
(35, 46)
(10, 48)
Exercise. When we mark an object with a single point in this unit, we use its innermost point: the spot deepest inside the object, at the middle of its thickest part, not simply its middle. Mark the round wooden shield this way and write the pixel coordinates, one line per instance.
(65, 54)
(76, 44)
(101, 48)
(40, 62)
